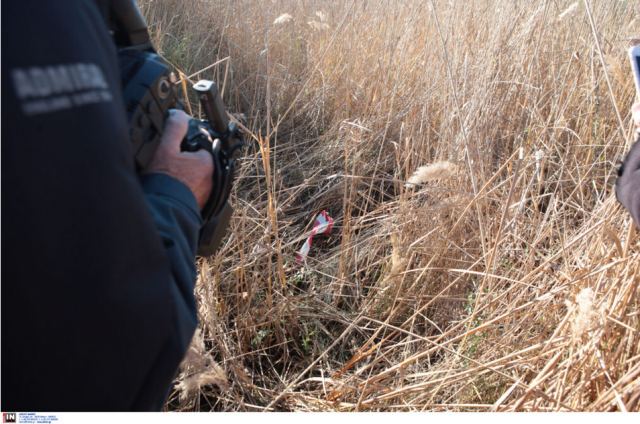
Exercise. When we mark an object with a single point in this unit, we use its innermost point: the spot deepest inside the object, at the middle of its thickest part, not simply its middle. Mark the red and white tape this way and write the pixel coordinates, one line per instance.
(322, 225)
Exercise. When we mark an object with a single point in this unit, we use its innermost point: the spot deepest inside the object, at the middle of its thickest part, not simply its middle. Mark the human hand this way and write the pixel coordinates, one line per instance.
(194, 169)
(635, 111)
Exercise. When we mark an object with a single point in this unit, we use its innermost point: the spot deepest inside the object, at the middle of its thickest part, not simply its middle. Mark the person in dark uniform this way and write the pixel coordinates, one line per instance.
(98, 264)
(628, 183)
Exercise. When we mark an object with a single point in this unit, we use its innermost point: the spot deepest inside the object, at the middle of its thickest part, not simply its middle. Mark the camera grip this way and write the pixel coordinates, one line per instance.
(216, 211)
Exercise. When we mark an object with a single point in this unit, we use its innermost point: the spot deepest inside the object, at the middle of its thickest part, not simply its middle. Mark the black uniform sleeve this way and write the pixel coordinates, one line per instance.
(628, 183)
(97, 264)
(177, 217)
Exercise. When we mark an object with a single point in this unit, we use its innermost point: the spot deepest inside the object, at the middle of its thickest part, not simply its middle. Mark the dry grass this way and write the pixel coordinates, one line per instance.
(509, 282)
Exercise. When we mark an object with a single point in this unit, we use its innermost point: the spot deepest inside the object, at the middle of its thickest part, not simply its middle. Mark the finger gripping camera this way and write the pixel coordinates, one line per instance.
(149, 91)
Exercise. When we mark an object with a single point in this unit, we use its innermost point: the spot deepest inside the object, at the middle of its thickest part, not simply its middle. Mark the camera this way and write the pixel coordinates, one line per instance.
(149, 90)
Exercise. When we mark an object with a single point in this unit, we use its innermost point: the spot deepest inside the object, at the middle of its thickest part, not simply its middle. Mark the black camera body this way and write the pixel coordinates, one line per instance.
(149, 90)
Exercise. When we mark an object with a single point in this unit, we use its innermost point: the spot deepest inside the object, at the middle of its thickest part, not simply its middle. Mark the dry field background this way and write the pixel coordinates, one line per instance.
(503, 277)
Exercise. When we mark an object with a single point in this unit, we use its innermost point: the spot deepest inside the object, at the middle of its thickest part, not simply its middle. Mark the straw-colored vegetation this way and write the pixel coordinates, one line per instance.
(467, 151)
